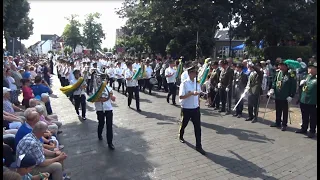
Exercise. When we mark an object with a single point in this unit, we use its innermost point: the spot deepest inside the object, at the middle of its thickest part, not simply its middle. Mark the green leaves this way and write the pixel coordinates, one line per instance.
(93, 32)
(71, 33)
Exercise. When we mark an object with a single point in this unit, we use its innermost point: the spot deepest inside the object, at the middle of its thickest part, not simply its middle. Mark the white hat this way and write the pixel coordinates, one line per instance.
(43, 95)
(6, 90)
(268, 61)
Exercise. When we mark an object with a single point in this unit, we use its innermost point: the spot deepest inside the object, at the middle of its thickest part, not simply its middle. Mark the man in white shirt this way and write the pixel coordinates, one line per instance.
(119, 76)
(170, 74)
(149, 73)
(105, 114)
(79, 95)
(190, 104)
(132, 86)
(111, 74)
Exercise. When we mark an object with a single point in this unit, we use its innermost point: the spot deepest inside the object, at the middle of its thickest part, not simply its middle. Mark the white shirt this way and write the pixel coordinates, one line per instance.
(132, 82)
(79, 91)
(71, 75)
(149, 72)
(191, 102)
(110, 72)
(104, 106)
(169, 71)
(12, 84)
(118, 73)
(135, 66)
(184, 76)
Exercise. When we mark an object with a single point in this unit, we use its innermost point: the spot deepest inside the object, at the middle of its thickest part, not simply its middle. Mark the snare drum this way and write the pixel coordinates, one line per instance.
(153, 81)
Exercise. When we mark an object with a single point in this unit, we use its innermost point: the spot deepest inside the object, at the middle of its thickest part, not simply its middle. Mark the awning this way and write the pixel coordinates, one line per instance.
(239, 47)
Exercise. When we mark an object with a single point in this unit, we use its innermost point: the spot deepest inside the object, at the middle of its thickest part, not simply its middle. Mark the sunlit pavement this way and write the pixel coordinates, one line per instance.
(147, 146)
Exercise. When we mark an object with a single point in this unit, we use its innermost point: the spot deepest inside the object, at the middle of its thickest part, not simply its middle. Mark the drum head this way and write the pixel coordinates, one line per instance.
(153, 81)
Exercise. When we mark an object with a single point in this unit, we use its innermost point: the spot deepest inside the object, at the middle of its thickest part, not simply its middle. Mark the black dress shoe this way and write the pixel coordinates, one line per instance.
(301, 131)
(239, 116)
(139, 110)
(227, 113)
(221, 111)
(182, 140)
(254, 120)
(168, 100)
(200, 150)
(215, 108)
(234, 115)
(311, 135)
(249, 119)
(283, 128)
(100, 138)
(275, 125)
(111, 146)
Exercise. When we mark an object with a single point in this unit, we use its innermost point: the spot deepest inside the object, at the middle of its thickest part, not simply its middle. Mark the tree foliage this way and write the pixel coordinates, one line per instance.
(93, 32)
(67, 50)
(16, 22)
(71, 33)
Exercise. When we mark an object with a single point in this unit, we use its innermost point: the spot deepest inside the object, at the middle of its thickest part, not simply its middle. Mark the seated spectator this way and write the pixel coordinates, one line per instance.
(24, 165)
(32, 117)
(11, 175)
(11, 121)
(52, 127)
(26, 74)
(33, 72)
(42, 87)
(31, 144)
(27, 92)
(8, 106)
(14, 93)
(8, 155)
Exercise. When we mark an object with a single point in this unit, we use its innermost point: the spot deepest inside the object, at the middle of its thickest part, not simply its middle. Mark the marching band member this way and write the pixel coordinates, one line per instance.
(253, 89)
(79, 95)
(284, 89)
(149, 73)
(170, 74)
(132, 86)
(88, 80)
(241, 80)
(119, 77)
(308, 101)
(104, 112)
(190, 105)
(110, 73)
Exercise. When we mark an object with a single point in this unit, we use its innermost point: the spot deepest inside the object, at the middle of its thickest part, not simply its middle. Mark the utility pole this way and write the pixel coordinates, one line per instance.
(197, 45)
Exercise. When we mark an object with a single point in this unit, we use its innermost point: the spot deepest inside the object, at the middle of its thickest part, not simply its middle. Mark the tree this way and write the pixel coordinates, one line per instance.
(71, 33)
(16, 22)
(67, 50)
(105, 49)
(93, 32)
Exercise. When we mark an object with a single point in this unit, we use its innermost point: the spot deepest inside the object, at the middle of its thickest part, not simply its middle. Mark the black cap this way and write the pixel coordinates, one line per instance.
(24, 161)
(224, 62)
(129, 63)
(314, 64)
(192, 69)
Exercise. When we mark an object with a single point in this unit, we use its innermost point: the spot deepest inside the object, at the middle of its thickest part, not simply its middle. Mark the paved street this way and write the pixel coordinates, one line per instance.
(147, 146)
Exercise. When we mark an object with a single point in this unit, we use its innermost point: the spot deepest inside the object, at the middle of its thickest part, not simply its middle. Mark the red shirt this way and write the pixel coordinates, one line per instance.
(27, 93)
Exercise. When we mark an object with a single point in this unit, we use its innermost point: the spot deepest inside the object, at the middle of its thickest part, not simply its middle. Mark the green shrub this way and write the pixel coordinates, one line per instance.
(288, 52)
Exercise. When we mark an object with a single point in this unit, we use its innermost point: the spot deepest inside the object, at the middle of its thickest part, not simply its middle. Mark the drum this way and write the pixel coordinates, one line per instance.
(153, 81)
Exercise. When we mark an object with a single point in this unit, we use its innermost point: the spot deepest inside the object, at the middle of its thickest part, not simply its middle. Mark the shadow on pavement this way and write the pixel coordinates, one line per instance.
(158, 116)
(91, 159)
(241, 134)
(239, 166)
(145, 100)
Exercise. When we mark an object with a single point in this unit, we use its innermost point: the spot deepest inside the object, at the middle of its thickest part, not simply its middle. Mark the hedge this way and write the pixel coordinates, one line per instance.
(288, 52)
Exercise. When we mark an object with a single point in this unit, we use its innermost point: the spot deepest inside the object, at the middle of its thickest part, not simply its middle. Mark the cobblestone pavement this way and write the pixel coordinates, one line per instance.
(147, 146)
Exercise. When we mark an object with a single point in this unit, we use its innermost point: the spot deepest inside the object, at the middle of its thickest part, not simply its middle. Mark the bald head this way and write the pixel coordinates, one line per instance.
(40, 127)
(33, 102)
(32, 116)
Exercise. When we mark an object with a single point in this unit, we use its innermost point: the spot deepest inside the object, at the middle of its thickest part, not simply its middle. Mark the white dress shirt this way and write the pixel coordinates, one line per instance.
(192, 102)
(169, 71)
(71, 75)
(104, 106)
(136, 66)
(110, 72)
(149, 72)
(79, 91)
(184, 76)
(118, 73)
(132, 82)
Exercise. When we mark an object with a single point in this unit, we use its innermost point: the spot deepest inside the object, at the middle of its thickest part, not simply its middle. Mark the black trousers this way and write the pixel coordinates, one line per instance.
(281, 110)
(194, 116)
(140, 83)
(165, 84)
(63, 81)
(120, 84)
(148, 85)
(59, 76)
(309, 115)
(215, 98)
(223, 98)
(159, 79)
(111, 81)
(253, 106)
(172, 91)
(89, 86)
(105, 117)
(80, 100)
(134, 90)
(239, 108)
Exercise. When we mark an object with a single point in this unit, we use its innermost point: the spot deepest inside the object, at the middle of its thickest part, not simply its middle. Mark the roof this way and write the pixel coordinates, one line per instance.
(45, 37)
(223, 35)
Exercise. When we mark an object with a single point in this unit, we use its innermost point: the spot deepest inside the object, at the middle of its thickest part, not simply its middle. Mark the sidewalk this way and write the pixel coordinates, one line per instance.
(147, 146)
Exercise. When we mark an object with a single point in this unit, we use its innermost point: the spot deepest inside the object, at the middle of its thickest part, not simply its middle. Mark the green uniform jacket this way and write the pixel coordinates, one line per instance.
(284, 85)
(309, 91)
(226, 78)
(255, 82)
(214, 77)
